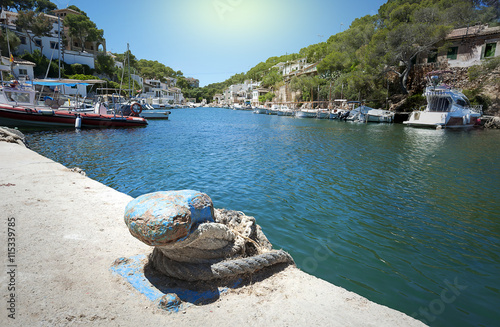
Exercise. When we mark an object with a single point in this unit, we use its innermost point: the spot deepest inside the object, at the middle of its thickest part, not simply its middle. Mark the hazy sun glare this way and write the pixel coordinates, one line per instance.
(233, 19)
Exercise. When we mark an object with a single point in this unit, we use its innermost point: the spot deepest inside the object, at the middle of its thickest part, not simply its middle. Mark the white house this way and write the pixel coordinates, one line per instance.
(50, 46)
(286, 68)
(159, 94)
(23, 69)
(240, 93)
(256, 94)
(138, 79)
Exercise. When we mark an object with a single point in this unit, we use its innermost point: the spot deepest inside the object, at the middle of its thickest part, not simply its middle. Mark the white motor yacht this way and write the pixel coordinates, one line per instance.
(447, 107)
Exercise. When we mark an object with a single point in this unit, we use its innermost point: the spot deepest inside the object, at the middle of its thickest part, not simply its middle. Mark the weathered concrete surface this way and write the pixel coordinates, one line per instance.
(69, 231)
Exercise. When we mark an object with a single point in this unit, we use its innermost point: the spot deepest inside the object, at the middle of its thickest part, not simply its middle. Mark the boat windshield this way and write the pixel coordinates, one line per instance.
(463, 103)
(18, 97)
(439, 104)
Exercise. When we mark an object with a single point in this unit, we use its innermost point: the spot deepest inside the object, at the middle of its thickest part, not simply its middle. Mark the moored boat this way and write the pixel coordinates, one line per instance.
(285, 111)
(379, 116)
(306, 113)
(260, 110)
(322, 114)
(18, 109)
(447, 107)
(273, 110)
(337, 113)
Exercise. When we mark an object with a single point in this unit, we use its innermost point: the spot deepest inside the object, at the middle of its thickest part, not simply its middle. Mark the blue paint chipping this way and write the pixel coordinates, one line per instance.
(153, 217)
(167, 298)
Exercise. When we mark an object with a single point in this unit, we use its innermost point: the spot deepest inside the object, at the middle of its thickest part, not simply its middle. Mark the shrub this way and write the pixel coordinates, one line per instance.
(413, 102)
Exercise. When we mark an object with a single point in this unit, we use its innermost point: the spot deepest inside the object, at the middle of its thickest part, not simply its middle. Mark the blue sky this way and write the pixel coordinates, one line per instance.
(212, 40)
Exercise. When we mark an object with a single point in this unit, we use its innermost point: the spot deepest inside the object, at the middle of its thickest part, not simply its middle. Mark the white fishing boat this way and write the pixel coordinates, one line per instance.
(447, 107)
(285, 111)
(322, 113)
(379, 116)
(306, 113)
(155, 114)
(260, 110)
(273, 110)
(246, 106)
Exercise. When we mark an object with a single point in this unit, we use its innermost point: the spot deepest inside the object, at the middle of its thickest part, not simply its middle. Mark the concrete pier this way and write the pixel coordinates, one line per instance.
(67, 230)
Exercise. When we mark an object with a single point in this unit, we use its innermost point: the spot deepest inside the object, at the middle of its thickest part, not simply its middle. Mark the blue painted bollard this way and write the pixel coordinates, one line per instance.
(162, 218)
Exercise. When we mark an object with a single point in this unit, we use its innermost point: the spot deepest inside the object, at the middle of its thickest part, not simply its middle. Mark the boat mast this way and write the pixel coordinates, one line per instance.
(59, 43)
(128, 64)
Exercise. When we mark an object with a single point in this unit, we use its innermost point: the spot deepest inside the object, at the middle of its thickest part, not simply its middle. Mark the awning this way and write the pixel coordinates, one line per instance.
(66, 82)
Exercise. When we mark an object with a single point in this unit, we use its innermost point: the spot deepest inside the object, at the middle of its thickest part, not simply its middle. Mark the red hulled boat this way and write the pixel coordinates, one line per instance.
(18, 109)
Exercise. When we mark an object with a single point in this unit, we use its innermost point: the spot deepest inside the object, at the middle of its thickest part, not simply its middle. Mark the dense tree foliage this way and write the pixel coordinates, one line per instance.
(80, 26)
(155, 70)
(105, 65)
(44, 6)
(14, 41)
(34, 24)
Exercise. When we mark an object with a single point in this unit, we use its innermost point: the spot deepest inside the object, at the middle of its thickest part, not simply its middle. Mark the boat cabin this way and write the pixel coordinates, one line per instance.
(444, 100)
(16, 95)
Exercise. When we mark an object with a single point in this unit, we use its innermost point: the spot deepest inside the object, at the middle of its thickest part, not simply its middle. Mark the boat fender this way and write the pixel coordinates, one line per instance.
(136, 109)
(468, 118)
(78, 122)
(464, 120)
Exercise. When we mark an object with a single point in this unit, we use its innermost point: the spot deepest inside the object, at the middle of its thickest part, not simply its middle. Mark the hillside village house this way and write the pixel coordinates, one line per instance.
(296, 68)
(467, 46)
(240, 93)
(286, 68)
(74, 44)
(159, 94)
(23, 69)
(256, 94)
(49, 45)
(218, 98)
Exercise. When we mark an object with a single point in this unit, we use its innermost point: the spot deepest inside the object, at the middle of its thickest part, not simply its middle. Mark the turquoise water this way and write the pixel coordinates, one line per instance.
(408, 218)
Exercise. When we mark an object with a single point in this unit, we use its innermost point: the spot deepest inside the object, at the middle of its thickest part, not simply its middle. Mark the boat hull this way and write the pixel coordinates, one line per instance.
(285, 113)
(261, 111)
(155, 114)
(305, 114)
(28, 117)
(441, 120)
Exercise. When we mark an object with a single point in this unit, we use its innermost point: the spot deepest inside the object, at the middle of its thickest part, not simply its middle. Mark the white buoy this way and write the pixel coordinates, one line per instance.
(78, 122)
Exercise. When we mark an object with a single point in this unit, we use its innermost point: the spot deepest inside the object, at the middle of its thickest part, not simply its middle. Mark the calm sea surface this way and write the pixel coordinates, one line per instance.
(409, 218)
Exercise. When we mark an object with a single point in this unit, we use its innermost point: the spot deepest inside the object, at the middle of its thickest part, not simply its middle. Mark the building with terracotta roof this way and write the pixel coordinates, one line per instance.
(465, 47)
(23, 69)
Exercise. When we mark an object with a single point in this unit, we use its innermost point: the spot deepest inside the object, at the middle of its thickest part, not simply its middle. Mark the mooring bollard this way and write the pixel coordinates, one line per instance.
(193, 241)
(164, 217)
